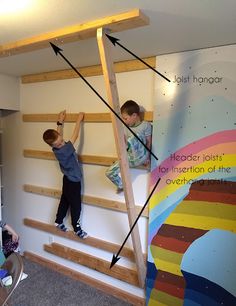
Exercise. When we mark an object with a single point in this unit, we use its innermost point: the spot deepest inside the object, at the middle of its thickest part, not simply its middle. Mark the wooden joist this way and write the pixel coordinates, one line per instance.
(124, 66)
(90, 200)
(119, 272)
(105, 287)
(84, 159)
(91, 241)
(88, 117)
(116, 23)
(113, 100)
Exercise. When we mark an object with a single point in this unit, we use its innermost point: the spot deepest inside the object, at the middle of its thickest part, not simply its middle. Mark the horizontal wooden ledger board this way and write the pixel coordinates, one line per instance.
(122, 273)
(115, 23)
(91, 241)
(91, 200)
(88, 117)
(124, 66)
(85, 159)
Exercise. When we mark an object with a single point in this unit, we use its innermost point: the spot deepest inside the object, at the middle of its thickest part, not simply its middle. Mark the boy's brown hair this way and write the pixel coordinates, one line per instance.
(130, 107)
(50, 136)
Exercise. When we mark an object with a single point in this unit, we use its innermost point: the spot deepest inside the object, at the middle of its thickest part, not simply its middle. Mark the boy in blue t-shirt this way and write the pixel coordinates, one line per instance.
(70, 167)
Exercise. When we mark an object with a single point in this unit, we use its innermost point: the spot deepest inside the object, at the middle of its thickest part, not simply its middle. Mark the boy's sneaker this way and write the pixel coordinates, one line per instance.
(81, 234)
(119, 190)
(62, 227)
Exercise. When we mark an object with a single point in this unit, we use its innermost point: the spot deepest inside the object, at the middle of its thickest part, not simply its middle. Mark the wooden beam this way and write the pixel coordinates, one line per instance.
(85, 159)
(91, 241)
(107, 288)
(71, 117)
(124, 274)
(89, 200)
(116, 23)
(124, 66)
(113, 99)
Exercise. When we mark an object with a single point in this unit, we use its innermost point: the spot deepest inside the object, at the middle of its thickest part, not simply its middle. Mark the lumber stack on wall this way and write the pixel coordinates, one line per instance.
(120, 22)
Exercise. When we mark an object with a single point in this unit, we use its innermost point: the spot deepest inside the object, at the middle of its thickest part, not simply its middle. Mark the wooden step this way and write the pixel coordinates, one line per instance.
(71, 117)
(90, 200)
(88, 71)
(109, 289)
(94, 242)
(84, 159)
(119, 272)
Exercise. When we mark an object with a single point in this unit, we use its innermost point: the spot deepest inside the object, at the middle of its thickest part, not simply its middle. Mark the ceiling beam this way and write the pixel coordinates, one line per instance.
(116, 23)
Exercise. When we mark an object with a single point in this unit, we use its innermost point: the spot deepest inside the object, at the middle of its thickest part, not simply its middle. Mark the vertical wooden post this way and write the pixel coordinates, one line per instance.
(110, 80)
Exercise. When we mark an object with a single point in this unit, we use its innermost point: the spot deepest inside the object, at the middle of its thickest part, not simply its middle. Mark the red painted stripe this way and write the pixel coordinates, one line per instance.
(169, 289)
(212, 185)
(186, 234)
(207, 196)
(167, 277)
(171, 244)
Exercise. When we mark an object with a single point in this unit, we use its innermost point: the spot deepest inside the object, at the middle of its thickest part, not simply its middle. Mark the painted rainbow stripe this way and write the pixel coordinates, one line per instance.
(221, 143)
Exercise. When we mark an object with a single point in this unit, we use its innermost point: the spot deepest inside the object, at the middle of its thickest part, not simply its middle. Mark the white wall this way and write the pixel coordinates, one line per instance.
(75, 96)
(9, 92)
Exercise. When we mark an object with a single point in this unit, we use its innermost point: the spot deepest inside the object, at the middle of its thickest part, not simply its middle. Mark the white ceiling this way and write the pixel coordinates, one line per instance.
(175, 25)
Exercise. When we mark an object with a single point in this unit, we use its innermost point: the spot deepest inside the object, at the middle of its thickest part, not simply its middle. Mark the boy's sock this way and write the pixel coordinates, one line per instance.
(62, 227)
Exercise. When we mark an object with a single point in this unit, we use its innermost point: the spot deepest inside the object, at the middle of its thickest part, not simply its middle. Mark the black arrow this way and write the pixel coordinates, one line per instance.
(58, 50)
(115, 41)
(115, 258)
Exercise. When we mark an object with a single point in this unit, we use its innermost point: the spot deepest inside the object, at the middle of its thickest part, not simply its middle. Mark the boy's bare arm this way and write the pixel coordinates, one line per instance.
(76, 131)
(149, 145)
(149, 142)
(61, 119)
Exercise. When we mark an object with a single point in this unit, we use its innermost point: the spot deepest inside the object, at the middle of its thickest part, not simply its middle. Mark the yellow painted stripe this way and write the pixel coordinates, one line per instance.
(201, 222)
(155, 303)
(166, 260)
(167, 255)
(158, 297)
(207, 209)
(168, 267)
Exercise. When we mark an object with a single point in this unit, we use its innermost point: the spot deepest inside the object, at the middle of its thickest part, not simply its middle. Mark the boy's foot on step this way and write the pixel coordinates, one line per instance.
(119, 190)
(81, 234)
(61, 227)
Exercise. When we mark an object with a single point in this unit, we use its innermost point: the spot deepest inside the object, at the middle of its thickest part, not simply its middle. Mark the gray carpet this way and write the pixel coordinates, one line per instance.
(45, 287)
